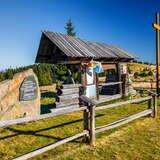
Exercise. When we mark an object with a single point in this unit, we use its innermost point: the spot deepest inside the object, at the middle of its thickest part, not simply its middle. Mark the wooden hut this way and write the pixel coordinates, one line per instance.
(58, 48)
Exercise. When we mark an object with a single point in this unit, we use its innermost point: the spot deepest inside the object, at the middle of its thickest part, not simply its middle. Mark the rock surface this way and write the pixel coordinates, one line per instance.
(10, 105)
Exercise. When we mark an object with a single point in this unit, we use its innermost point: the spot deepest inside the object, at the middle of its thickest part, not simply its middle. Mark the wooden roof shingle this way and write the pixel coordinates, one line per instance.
(76, 47)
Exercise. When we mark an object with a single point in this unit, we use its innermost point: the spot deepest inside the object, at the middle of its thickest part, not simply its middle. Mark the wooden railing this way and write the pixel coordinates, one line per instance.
(112, 84)
(89, 121)
(88, 108)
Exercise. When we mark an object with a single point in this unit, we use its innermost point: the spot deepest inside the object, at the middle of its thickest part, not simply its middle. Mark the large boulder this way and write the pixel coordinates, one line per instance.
(20, 96)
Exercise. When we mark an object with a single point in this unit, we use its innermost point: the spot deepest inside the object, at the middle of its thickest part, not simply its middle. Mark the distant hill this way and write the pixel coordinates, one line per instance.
(141, 72)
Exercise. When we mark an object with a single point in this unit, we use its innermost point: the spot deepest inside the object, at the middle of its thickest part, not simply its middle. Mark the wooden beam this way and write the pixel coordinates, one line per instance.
(109, 83)
(58, 111)
(68, 97)
(108, 98)
(123, 121)
(49, 147)
(87, 100)
(124, 103)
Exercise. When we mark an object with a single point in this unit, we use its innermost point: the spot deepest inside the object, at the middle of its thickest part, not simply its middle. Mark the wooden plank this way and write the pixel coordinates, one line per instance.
(123, 121)
(70, 91)
(108, 66)
(67, 86)
(68, 97)
(109, 83)
(67, 103)
(65, 108)
(57, 112)
(108, 98)
(124, 103)
(49, 147)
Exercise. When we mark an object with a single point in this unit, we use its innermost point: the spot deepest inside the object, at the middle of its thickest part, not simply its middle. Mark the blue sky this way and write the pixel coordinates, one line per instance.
(124, 23)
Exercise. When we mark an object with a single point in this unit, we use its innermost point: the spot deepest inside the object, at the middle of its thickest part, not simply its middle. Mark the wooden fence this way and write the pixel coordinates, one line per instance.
(89, 108)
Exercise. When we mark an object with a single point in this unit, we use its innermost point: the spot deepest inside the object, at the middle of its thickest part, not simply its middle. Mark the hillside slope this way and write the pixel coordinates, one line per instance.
(141, 72)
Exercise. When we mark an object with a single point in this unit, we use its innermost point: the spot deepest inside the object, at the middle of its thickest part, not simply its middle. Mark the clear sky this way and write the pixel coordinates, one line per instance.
(124, 23)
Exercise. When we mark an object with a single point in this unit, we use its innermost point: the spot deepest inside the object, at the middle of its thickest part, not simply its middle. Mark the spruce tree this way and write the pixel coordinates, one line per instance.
(70, 28)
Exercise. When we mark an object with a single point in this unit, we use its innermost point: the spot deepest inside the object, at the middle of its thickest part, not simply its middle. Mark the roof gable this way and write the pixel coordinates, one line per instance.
(76, 47)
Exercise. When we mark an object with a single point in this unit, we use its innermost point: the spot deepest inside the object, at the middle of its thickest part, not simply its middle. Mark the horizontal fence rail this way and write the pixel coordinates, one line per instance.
(109, 83)
(51, 146)
(124, 103)
(123, 121)
(58, 111)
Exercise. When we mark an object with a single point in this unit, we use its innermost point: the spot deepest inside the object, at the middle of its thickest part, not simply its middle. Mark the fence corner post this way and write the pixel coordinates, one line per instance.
(154, 106)
(92, 125)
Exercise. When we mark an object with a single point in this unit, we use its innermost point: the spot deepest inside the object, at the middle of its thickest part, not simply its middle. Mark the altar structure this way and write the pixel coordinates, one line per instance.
(92, 58)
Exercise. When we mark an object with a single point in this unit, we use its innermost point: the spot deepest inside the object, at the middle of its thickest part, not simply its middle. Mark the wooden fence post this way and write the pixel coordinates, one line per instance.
(92, 125)
(154, 106)
(120, 89)
(86, 124)
(150, 103)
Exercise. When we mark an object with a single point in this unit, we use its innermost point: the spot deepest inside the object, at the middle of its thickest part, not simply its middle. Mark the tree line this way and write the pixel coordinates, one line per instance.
(47, 73)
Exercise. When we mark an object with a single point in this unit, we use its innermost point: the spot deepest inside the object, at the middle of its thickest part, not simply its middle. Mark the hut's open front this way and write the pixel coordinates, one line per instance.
(102, 66)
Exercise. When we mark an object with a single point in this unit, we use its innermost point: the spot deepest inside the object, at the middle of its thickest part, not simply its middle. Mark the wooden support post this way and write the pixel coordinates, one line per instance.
(120, 86)
(92, 124)
(119, 77)
(157, 54)
(154, 106)
(149, 101)
(97, 88)
(86, 124)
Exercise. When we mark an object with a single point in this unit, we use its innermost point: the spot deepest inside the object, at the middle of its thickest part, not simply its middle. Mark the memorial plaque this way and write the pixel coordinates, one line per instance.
(28, 89)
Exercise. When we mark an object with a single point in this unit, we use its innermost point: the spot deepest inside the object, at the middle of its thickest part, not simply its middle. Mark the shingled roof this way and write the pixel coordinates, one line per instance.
(76, 47)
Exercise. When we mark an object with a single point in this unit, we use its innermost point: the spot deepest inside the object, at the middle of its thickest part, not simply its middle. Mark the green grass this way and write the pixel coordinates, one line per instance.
(139, 139)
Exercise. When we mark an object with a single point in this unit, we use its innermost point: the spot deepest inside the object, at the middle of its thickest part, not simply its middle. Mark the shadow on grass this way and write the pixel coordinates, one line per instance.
(35, 133)
(45, 108)
(48, 95)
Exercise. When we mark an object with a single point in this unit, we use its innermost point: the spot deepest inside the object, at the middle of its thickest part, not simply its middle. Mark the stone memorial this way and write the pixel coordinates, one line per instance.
(28, 90)
(20, 96)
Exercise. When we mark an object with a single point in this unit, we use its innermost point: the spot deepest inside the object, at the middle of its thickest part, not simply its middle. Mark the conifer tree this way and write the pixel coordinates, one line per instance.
(70, 28)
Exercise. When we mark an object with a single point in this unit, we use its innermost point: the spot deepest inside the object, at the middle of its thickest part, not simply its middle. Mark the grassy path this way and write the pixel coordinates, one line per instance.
(137, 140)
